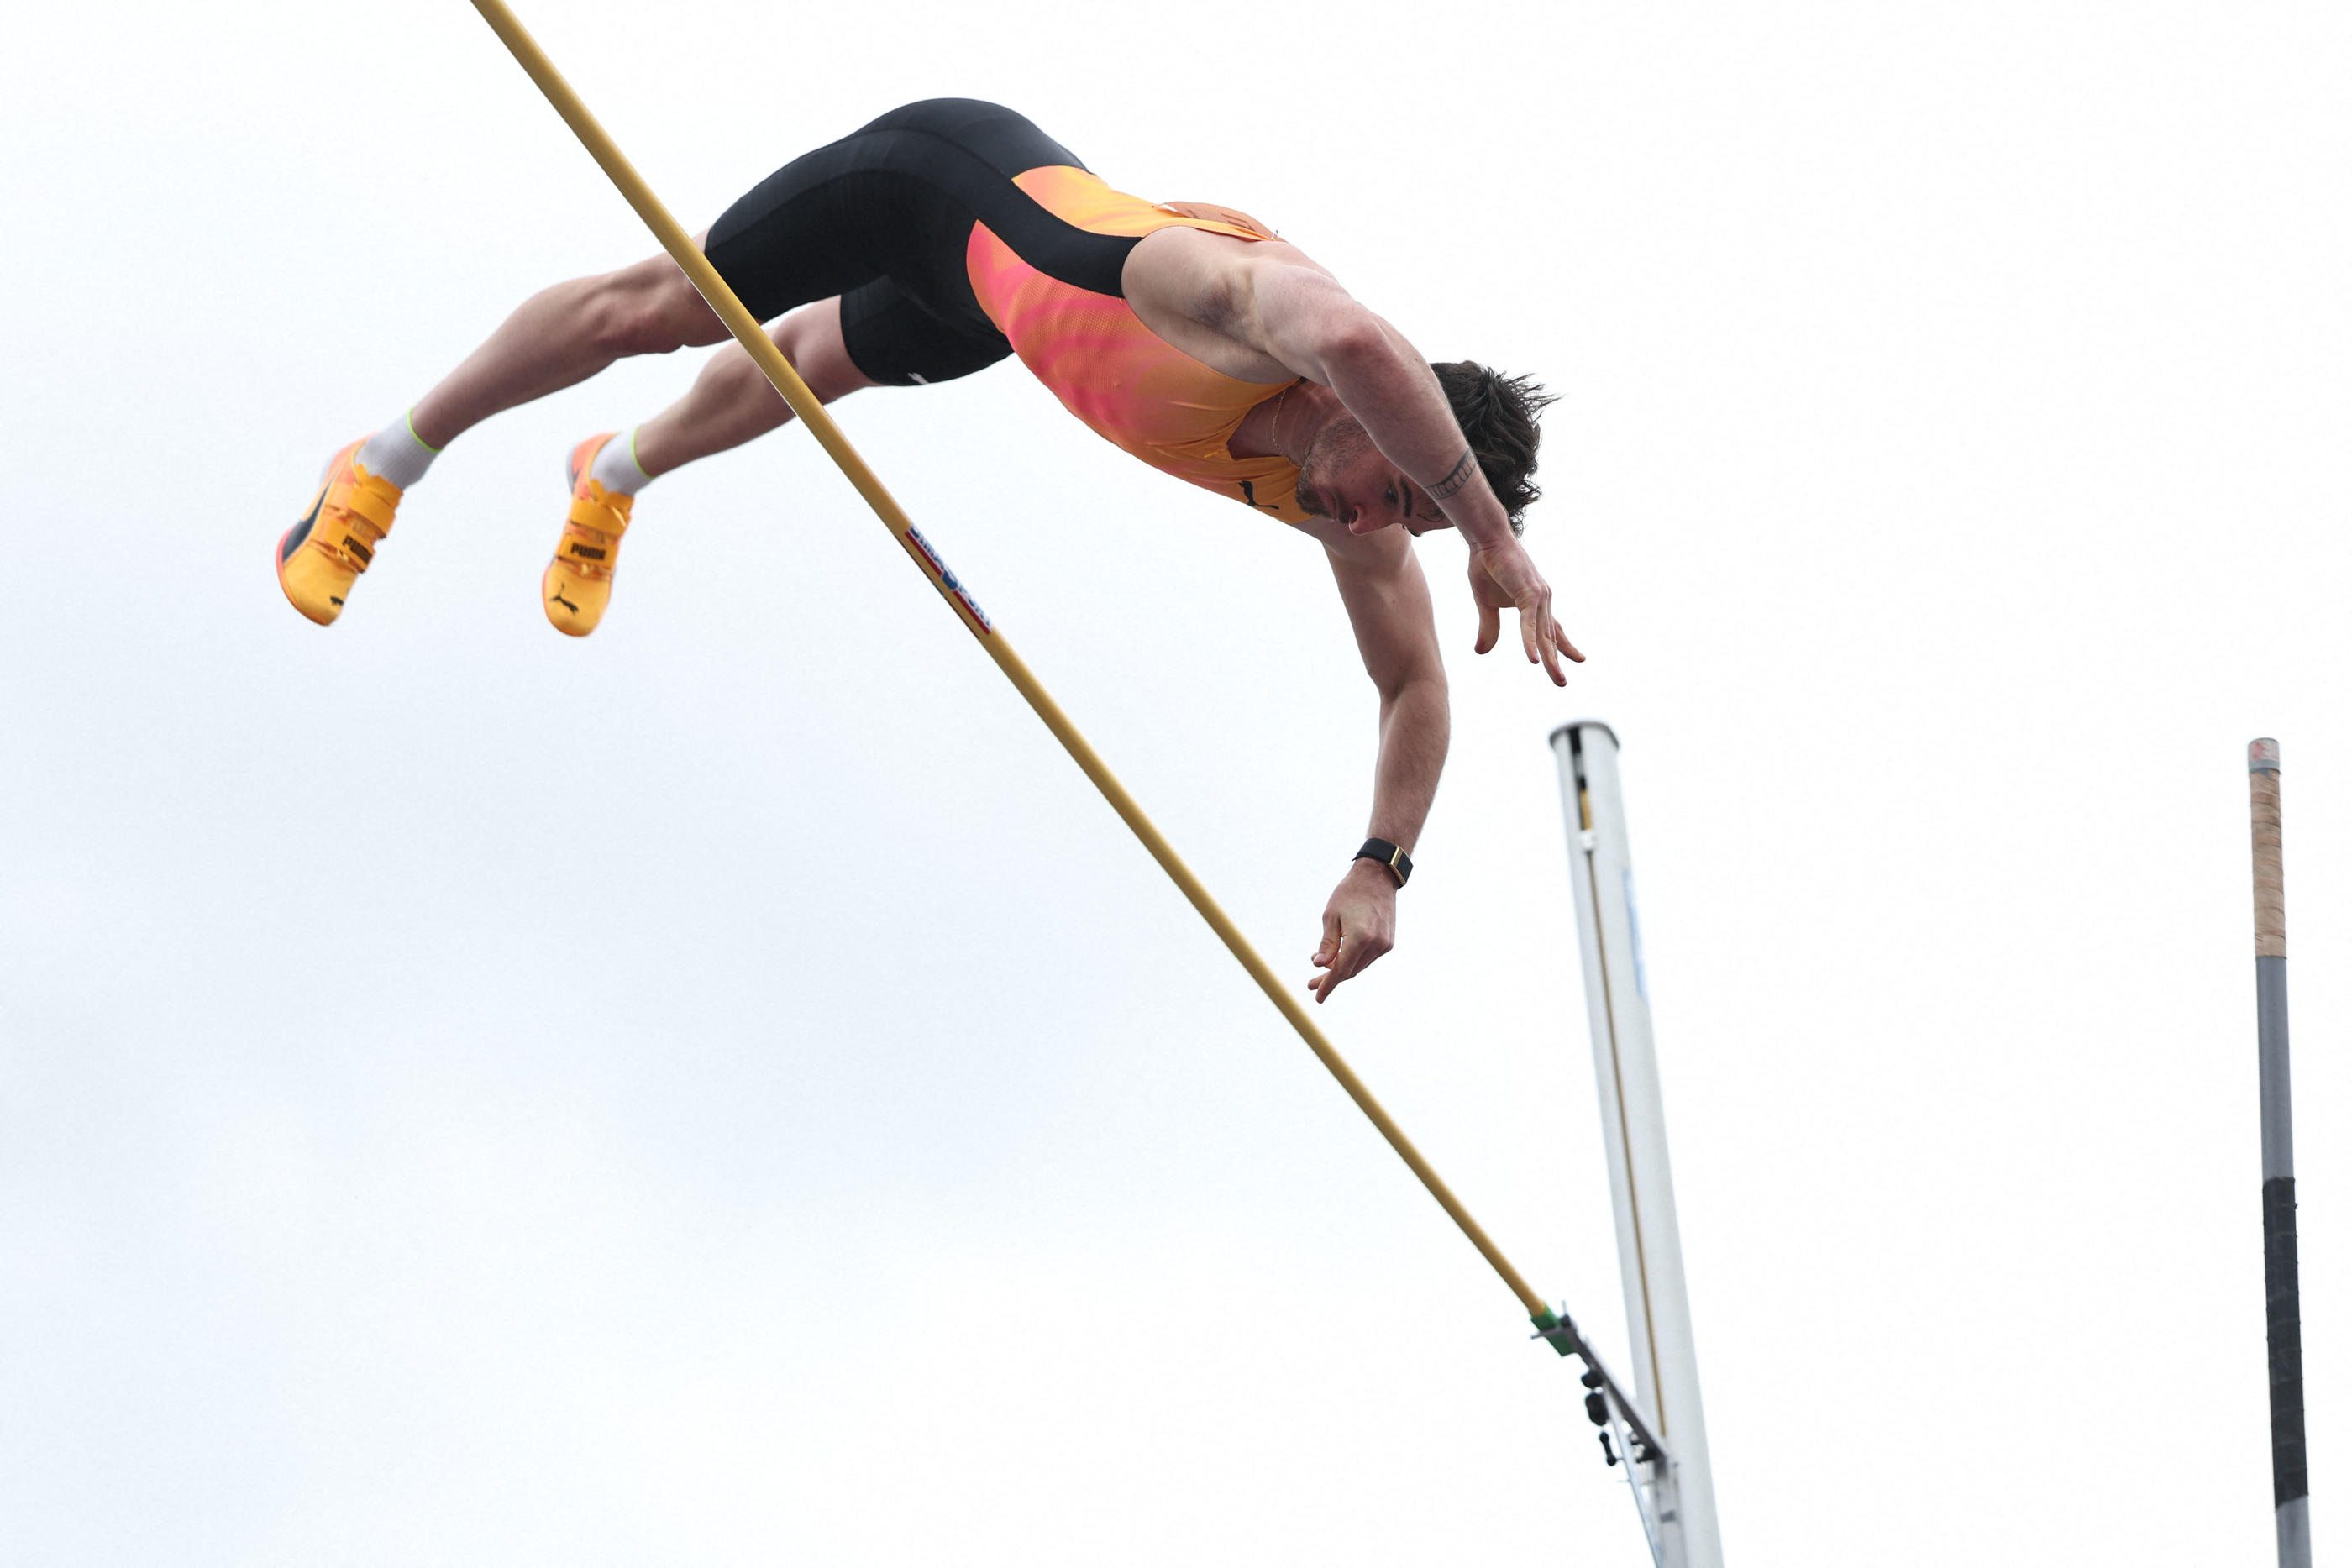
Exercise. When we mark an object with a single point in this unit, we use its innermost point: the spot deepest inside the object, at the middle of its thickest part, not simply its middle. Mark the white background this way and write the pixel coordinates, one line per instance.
(728, 1092)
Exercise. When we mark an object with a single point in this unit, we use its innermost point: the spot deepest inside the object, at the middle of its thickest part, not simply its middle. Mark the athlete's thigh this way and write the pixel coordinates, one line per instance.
(898, 198)
(815, 228)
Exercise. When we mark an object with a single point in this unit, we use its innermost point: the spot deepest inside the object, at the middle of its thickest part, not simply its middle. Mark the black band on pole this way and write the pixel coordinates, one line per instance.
(2290, 1471)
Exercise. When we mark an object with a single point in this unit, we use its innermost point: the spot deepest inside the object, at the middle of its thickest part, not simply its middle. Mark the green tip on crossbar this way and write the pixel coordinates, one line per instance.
(1549, 1326)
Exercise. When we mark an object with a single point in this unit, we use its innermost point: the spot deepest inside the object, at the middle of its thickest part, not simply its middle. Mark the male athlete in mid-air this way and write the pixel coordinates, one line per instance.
(949, 234)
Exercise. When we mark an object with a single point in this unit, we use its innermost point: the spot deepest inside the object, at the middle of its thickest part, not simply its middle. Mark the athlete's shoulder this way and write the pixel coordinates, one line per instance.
(1181, 251)
(1224, 217)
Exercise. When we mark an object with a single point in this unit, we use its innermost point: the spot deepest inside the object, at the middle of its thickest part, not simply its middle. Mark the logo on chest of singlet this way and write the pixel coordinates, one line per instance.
(1249, 494)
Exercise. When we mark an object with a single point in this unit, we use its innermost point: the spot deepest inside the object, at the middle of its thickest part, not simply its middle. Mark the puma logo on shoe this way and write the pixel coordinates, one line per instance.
(559, 599)
(588, 551)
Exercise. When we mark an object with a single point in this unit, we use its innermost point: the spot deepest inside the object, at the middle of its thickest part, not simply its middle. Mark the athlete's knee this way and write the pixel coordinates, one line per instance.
(650, 308)
(811, 339)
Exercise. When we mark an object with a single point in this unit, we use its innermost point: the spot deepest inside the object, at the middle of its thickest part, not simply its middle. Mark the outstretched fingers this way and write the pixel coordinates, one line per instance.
(1334, 957)
(1342, 964)
(1540, 634)
(1501, 578)
(1326, 952)
(1535, 633)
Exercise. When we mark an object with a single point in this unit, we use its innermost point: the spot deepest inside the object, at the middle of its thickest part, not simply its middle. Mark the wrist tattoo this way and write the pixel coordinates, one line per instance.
(1455, 477)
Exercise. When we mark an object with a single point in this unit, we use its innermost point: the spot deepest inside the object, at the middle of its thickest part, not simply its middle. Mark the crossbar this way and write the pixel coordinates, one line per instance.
(795, 391)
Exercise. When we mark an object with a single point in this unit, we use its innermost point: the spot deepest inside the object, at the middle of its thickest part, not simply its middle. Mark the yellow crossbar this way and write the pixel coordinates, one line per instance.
(795, 391)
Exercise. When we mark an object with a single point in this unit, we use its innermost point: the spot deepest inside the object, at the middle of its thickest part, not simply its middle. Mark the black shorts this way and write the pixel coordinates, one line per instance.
(882, 217)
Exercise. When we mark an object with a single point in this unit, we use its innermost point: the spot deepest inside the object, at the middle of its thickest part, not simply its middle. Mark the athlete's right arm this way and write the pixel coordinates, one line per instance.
(1300, 316)
(1260, 310)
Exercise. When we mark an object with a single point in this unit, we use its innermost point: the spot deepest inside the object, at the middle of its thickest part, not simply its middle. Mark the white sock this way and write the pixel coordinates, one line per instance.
(393, 452)
(616, 468)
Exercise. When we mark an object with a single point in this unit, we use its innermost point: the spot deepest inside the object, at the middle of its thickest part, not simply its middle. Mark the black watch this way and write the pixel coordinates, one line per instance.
(1399, 864)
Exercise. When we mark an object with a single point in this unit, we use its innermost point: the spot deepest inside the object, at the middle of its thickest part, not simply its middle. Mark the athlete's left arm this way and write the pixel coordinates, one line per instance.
(1387, 600)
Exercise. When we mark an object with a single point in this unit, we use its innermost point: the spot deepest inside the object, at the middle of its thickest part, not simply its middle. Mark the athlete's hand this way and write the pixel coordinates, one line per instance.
(1503, 577)
(1358, 926)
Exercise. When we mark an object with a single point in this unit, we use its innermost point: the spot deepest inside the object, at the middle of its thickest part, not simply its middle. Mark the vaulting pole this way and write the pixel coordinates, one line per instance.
(2290, 1474)
(789, 385)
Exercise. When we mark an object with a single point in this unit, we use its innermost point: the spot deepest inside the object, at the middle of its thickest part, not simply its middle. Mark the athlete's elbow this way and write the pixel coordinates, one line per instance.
(1352, 341)
(1420, 688)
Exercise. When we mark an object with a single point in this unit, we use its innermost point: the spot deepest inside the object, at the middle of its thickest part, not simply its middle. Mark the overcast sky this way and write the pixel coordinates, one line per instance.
(727, 1092)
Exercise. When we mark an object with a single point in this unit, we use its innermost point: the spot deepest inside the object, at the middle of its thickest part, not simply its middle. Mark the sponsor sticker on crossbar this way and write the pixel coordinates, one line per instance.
(949, 584)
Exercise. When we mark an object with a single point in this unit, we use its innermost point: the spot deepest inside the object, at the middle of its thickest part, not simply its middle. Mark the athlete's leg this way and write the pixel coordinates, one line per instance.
(731, 401)
(897, 196)
(874, 335)
(887, 209)
(563, 335)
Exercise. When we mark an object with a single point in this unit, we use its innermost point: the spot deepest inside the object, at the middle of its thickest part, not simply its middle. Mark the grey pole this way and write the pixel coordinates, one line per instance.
(2289, 1475)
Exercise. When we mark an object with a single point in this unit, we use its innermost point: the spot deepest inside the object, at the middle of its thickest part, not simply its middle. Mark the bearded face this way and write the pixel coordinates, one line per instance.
(1336, 447)
(1344, 479)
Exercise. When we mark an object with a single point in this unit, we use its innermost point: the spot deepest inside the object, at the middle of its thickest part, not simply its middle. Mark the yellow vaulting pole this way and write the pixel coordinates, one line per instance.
(795, 391)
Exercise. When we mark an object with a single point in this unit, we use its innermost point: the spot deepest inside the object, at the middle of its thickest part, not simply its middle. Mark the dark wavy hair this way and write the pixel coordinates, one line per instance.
(1497, 415)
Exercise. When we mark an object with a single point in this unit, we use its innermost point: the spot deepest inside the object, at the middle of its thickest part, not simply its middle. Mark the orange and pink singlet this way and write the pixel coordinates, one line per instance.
(1130, 386)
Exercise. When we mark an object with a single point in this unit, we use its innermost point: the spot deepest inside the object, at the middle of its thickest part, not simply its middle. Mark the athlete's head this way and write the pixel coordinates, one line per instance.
(1344, 477)
(1497, 415)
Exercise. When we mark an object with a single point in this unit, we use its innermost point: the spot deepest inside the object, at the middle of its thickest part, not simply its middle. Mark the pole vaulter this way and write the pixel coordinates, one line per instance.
(804, 402)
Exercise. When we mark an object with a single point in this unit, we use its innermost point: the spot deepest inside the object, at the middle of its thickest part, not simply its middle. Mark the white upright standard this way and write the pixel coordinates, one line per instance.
(1634, 1127)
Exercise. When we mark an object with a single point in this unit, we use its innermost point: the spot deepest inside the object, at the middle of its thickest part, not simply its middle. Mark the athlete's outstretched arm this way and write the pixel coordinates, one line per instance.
(1301, 316)
(1388, 603)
